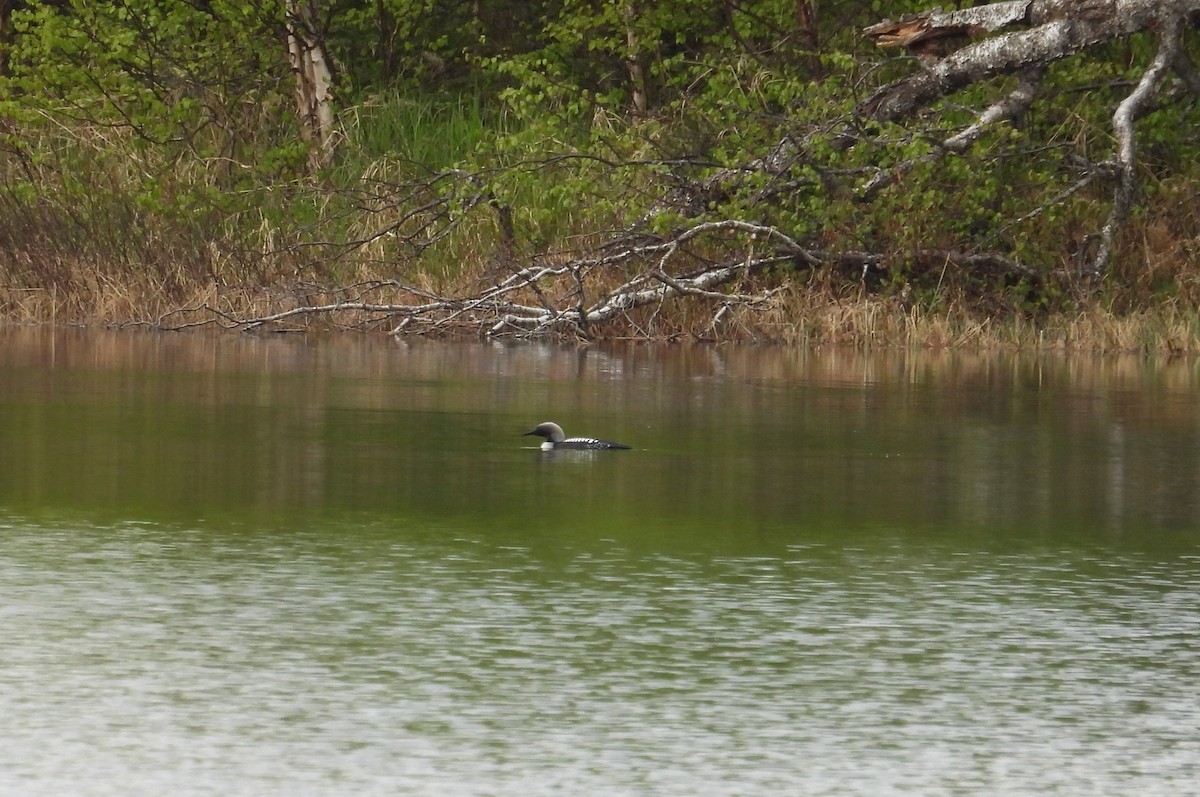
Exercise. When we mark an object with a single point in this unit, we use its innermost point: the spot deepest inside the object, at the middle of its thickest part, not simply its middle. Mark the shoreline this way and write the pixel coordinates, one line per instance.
(800, 318)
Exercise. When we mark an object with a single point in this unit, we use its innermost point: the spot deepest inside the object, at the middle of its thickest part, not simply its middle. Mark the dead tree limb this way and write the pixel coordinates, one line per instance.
(1061, 28)
(1009, 108)
(1129, 109)
(523, 304)
(1056, 29)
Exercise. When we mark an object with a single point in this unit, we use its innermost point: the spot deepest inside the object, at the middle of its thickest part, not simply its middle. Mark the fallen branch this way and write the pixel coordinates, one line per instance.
(524, 303)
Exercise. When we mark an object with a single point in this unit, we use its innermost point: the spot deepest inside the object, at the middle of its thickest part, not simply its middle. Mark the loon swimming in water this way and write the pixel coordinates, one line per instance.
(556, 440)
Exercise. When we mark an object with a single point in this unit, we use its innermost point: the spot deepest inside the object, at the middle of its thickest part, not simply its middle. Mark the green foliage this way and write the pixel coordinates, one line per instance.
(177, 118)
(166, 70)
(431, 132)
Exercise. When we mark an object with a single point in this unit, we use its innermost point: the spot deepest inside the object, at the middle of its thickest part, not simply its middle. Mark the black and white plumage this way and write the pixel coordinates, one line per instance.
(557, 440)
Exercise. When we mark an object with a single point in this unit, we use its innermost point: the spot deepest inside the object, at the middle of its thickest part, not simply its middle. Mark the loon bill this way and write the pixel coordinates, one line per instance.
(556, 440)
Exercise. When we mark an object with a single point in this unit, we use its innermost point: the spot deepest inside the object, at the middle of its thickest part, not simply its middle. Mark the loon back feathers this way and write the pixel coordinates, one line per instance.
(556, 439)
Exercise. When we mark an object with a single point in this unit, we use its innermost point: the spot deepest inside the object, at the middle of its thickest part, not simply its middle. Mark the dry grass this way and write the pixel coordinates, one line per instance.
(819, 314)
(815, 317)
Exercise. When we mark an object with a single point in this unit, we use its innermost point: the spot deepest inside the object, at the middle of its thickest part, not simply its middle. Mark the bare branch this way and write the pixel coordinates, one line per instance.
(1127, 111)
(664, 275)
(915, 28)
(1009, 108)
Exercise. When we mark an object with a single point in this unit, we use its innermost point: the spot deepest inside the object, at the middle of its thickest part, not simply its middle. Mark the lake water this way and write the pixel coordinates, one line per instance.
(235, 565)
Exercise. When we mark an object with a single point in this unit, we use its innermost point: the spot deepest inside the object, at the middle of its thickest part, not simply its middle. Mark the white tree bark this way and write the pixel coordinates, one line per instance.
(314, 81)
(1129, 109)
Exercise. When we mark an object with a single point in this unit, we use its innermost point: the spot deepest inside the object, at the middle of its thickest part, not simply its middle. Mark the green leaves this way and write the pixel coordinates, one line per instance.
(163, 69)
(562, 120)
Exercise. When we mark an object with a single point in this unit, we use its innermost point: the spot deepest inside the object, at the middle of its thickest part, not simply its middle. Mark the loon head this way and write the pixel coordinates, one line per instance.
(549, 430)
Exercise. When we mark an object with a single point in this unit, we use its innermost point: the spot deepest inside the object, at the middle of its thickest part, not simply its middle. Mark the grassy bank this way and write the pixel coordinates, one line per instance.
(447, 195)
(802, 317)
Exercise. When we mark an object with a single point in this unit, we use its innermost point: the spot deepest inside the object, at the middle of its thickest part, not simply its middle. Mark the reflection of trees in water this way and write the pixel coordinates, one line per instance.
(891, 438)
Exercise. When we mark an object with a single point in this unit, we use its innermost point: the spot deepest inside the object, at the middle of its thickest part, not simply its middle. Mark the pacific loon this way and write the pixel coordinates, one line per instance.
(555, 439)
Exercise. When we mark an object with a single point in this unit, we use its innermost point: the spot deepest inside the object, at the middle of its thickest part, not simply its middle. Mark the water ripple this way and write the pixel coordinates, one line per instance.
(147, 662)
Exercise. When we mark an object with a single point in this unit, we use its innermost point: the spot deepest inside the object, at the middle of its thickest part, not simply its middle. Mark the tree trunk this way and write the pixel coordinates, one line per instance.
(633, 62)
(314, 81)
(806, 19)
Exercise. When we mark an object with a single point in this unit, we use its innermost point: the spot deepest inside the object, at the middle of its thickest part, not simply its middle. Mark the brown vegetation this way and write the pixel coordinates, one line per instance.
(823, 310)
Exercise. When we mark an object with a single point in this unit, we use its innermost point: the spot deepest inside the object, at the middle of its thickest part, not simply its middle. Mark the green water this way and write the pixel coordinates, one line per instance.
(275, 566)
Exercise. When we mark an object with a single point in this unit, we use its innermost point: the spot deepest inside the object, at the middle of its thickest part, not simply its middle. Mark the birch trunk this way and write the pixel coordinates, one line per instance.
(314, 81)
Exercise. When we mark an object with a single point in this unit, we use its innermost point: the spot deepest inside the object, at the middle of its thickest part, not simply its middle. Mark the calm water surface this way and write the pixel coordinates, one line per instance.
(278, 566)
